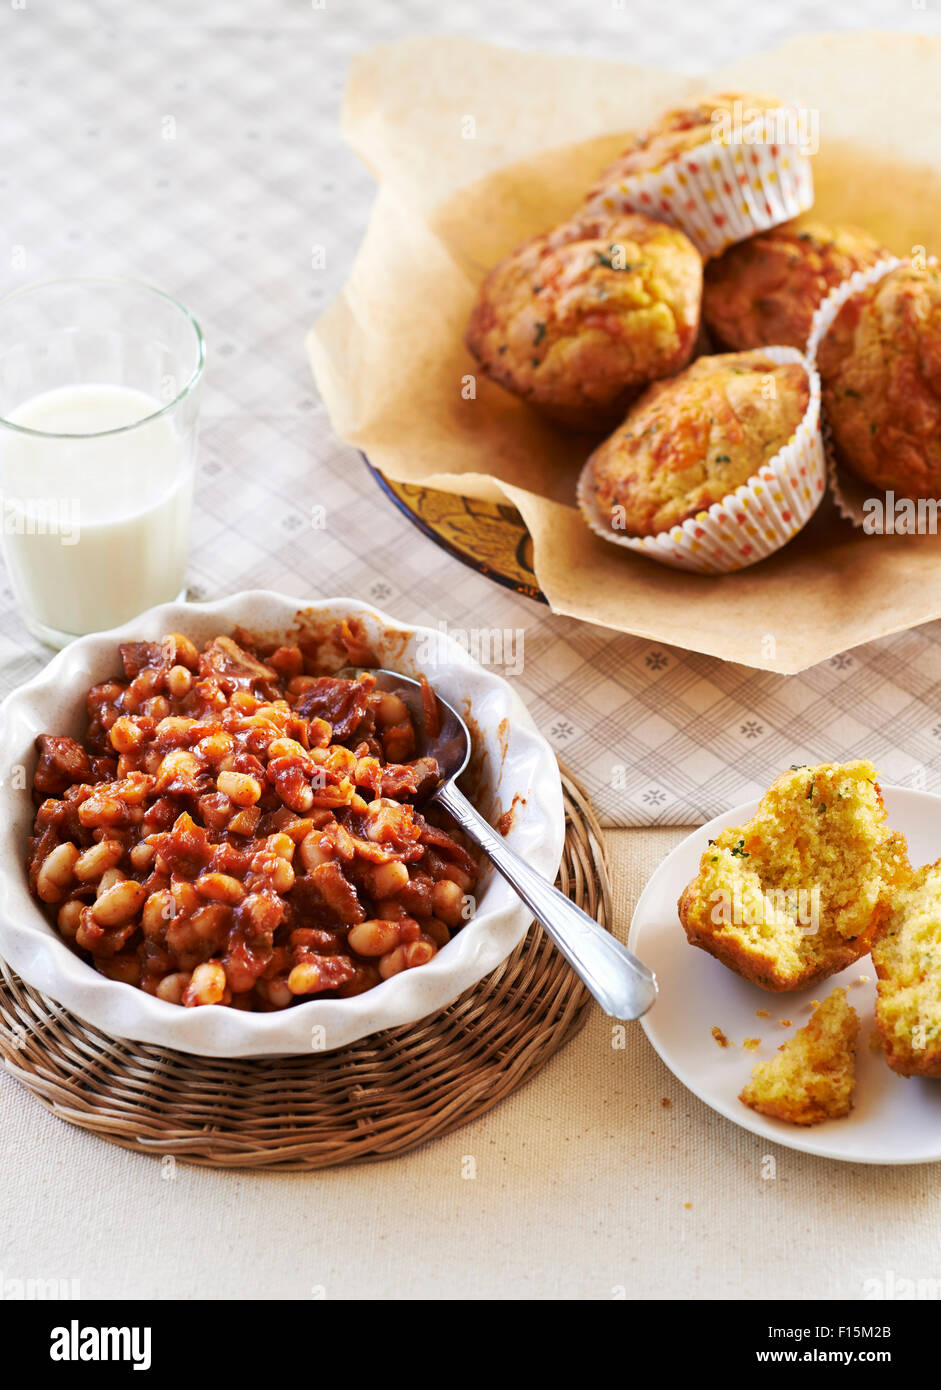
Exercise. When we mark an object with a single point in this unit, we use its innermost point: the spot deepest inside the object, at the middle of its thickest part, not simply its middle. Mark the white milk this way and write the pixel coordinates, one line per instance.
(94, 529)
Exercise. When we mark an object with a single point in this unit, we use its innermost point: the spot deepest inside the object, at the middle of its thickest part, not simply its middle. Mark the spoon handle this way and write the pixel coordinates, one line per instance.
(623, 986)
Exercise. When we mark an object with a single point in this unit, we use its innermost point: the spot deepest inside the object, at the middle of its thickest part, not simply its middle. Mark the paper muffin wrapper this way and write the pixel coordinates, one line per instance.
(750, 523)
(720, 193)
(849, 492)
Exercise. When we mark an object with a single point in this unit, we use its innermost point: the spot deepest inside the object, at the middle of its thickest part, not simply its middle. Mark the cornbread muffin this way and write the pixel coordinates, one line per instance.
(579, 320)
(765, 290)
(690, 441)
(880, 372)
(677, 131)
(907, 957)
(814, 1074)
(797, 892)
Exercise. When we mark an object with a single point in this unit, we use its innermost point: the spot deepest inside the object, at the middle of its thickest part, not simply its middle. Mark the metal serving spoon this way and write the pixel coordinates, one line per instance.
(623, 986)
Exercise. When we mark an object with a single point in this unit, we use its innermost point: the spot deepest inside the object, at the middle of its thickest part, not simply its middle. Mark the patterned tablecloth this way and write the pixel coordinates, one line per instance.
(204, 155)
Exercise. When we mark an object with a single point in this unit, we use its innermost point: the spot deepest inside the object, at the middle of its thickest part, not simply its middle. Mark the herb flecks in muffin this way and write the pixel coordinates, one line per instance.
(612, 302)
(814, 888)
(691, 441)
(880, 372)
(765, 290)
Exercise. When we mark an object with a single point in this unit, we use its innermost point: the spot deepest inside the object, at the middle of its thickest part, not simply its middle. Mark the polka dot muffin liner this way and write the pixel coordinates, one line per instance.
(752, 522)
(849, 492)
(720, 193)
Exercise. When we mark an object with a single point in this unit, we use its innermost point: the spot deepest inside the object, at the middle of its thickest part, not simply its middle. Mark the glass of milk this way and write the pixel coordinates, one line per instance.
(100, 380)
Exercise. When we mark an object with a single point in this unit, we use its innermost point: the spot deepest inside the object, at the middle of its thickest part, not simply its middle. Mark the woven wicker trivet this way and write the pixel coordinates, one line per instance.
(377, 1098)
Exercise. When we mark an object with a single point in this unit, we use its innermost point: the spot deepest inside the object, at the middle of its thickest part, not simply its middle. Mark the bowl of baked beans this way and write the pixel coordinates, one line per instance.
(218, 835)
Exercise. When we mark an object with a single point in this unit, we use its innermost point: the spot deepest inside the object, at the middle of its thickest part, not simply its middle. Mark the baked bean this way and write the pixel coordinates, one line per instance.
(373, 938)
(159, 909)
(93, 862)
(184, 651)
(134, 789)
(100, 810)
(108, 879)
(313, 853)
(385, 880)
(207, 985)
(171, 987)
(439, 931)
(180, 769)
(406, 957)
(277, 992)
(239, 787)
(211, 923)
(142, 855)
(125, 735)
(458, 876)
(305, 978)
(216, 746)
(419, 953)
(220, 888)
(176, 729)
(56, 871)
(398, 743)
(157, 707)
(69, 917)
(119, 904)
(392, 963)
(390, 709)
(301, 798)
(287, 748)
(277, 872)
(179, 682)
(282, 845)
(448, 902)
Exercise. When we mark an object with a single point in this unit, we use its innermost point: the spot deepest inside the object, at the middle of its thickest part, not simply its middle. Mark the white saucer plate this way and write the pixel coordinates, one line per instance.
(895, 1119)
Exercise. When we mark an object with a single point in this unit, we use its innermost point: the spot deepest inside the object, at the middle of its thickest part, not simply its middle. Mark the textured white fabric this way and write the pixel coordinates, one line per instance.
(587, 1185)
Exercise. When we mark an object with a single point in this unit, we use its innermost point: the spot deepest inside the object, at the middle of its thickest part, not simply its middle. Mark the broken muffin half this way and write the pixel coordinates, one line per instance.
(907, 955)
(797, 893)
(813, 1075)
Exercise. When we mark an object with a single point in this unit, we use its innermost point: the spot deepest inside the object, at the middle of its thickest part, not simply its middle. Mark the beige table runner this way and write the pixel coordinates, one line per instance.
(586, 1185)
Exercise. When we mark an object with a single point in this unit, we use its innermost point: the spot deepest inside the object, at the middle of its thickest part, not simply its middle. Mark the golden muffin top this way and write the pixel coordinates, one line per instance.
(690, 441)
(578, 320)
(679, 130)
(880, 372)
(765, 290)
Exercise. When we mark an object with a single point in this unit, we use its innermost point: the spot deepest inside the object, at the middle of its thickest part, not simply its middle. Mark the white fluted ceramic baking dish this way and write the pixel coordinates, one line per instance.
(517, 762)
